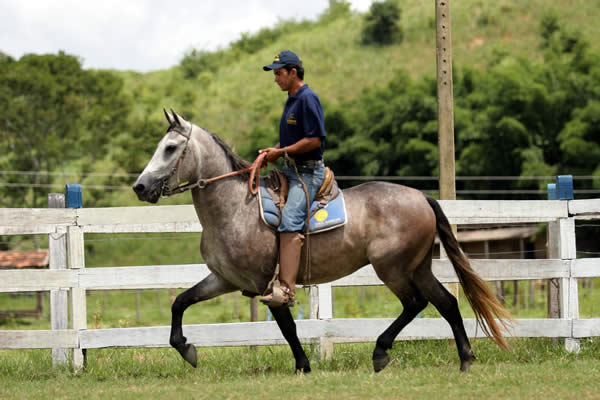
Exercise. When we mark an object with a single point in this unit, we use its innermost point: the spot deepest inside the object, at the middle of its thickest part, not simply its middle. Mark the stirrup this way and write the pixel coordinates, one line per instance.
(279, 296)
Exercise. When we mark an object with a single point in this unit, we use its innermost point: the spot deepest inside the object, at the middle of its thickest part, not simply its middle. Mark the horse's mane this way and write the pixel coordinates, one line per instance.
(237, 163)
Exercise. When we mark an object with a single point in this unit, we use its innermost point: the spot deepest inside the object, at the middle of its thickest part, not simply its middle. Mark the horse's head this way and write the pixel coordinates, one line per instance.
(170, 164)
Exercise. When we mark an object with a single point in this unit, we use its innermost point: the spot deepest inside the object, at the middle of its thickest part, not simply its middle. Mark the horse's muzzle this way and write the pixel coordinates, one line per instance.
(148, 189)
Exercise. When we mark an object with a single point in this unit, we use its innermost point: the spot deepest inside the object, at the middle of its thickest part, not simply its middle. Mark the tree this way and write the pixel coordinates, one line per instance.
(196, 61)
(382, 24)
(5, 58)
(55, 115)
(579, 143)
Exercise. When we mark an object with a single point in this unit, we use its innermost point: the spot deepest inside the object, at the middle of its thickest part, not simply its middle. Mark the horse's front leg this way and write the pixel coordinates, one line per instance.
(211, 286)
(286, 323)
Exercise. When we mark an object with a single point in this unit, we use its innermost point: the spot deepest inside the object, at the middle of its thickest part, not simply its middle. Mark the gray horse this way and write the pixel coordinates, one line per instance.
(389, 226)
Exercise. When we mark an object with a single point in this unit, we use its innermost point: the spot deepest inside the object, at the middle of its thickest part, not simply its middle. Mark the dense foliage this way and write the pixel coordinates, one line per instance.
(382, 24)
(55, 113)
(515, 118)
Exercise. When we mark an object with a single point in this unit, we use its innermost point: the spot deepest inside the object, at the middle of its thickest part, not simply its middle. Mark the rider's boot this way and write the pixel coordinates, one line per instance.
(290, 247)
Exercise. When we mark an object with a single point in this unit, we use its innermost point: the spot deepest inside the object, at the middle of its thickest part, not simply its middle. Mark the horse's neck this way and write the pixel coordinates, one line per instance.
(219, 200)
(217, 203)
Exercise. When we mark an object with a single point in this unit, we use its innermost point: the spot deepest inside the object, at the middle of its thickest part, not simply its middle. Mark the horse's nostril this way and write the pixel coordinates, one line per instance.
(139, 188)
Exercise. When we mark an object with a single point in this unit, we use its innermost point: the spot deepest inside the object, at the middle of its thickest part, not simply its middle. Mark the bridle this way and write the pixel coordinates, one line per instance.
(253, 182)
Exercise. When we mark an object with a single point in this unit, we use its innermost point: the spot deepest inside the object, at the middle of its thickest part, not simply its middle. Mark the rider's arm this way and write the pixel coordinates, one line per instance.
(302, 146)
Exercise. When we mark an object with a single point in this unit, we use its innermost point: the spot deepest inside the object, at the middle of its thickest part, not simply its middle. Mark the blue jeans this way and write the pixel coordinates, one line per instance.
(293, 216)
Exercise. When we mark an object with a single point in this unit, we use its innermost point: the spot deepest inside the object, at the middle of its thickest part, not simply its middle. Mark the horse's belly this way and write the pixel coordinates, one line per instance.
(333, 256)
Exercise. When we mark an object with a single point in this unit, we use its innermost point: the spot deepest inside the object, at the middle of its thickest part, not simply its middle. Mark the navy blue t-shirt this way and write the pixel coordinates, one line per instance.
(303, 117)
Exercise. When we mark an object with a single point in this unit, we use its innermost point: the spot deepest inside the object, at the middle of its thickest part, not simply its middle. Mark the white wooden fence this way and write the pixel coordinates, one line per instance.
(66, 229)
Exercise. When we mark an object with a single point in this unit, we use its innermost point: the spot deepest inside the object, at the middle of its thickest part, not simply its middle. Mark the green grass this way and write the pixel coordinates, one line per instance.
(419, 370)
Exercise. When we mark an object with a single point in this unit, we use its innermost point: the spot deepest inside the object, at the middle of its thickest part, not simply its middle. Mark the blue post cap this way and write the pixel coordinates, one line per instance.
(564, 187)
(73, 197)
(552, 191)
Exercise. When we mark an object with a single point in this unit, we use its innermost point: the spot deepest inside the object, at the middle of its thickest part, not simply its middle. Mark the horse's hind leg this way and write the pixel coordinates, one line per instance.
(447, 305)
(286, 324)
(413, 303)
(209, 287)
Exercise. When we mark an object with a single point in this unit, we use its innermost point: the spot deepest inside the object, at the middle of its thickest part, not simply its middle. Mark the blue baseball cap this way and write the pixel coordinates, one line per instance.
(282, 59)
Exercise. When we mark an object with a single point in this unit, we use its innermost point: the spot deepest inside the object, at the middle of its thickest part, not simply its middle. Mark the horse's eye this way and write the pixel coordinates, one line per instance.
(170, 149)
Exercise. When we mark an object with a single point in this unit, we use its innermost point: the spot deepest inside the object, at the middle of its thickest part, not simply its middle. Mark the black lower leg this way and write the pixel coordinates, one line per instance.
(177, 340)
(286, 324)
(447, 305)
(385, 341)
(210, 287)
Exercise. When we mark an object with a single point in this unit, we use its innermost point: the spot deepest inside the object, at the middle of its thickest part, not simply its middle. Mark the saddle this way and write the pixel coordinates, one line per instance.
(327, 211)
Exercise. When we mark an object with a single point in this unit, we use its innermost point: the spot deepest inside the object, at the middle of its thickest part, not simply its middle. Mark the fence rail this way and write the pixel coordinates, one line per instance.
(186, 275)
(66, 229)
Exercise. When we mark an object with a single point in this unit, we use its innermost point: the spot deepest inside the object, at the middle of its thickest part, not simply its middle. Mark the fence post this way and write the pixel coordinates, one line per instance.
(57, 246)
(569, 291)
(76, 260)
(325, 301)
(562, 244)
(254, 309)
(553, 240)
(324, 311)
(313, 302)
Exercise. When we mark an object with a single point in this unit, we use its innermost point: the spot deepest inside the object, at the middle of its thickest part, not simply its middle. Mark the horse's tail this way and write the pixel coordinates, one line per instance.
(485, 305)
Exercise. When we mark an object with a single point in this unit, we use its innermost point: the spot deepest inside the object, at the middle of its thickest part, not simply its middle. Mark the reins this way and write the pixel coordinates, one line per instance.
(253, 182)
(254, 170)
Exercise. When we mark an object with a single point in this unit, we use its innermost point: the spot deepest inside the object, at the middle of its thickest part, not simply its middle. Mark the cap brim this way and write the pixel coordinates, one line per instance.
(273, 66)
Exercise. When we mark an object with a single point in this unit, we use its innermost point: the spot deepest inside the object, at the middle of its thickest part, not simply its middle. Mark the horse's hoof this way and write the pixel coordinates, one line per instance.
(303, 369)
(380, 363)
(466, 364)
(189, 354)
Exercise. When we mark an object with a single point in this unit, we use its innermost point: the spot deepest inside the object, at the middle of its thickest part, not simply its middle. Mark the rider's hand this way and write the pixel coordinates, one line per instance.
(273, 153)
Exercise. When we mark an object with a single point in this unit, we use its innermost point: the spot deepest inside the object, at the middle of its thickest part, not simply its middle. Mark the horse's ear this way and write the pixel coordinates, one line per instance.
(169, 118)
(176, 117)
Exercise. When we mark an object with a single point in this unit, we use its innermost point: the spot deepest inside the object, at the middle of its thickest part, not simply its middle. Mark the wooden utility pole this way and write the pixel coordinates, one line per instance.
(445, 109)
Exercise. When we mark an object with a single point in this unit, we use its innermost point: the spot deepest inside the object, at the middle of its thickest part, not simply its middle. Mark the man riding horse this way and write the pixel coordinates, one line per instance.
(391, 227)
(301, 142)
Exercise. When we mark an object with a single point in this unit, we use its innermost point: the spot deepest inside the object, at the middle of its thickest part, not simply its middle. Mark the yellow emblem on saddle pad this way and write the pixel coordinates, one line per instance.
(321, 215)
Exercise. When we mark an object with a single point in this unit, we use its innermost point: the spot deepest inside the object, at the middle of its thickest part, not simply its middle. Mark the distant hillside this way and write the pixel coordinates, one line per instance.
(238, 96)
